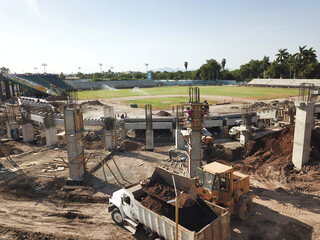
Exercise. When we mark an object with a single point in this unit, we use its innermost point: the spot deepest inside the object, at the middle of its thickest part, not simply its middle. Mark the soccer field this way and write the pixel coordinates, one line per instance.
(227, 91)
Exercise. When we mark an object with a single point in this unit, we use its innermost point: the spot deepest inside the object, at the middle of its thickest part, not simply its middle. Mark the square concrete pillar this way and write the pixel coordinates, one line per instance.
(51, 136)
(27, 133)
(302, 133)
(110, 139)
(123, 133)
(194, 151)
(12, 130)
(75, 156)
(179, 140)
(245, 136)
(149, 140)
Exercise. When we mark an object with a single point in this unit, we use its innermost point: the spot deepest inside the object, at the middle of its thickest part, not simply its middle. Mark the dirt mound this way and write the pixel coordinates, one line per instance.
(163, 191)
(218, 152)
(92, 103)
(94, 141)
(193, 218)
(7, 149)
(163, 114)
(128, 145)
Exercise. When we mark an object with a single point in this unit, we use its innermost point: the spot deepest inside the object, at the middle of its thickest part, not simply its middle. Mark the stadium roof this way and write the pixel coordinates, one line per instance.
(271, 82)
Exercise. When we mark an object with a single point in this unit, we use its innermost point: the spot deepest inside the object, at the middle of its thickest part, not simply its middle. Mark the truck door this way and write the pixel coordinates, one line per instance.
(127, 206)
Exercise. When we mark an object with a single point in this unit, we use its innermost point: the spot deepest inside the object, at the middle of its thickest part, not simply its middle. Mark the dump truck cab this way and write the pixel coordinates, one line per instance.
(222, 185)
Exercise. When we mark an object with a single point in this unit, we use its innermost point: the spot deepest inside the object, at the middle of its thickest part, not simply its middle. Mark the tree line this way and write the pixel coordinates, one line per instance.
(302, 65)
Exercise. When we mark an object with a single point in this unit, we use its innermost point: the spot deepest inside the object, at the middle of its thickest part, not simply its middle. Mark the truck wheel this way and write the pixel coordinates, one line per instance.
(244, 207)
(117, 217)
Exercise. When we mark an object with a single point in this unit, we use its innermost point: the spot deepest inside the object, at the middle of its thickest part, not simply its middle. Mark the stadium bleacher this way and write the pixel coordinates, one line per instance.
(282, 82)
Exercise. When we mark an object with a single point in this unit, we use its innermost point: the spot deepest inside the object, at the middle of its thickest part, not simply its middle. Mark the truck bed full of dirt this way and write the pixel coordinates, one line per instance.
(193, 218)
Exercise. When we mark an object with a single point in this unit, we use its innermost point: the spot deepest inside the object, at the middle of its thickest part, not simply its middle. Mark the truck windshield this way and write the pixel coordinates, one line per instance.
(210, 181)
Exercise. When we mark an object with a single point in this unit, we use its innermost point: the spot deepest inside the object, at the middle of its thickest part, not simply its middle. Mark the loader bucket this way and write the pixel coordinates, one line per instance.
(161, 187)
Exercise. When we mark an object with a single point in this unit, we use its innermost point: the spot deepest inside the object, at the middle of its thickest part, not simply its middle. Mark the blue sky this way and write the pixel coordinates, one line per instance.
(126, 34)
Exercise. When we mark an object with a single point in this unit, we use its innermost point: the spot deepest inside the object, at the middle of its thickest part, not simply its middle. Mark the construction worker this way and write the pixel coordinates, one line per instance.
(206, 108)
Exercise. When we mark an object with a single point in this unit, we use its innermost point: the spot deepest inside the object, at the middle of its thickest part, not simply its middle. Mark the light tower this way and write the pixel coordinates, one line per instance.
(147, 64)
(100, 64)
(44, 67)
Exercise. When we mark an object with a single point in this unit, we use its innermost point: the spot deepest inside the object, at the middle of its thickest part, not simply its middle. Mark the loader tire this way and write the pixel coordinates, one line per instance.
(244, 207)
(117, 217)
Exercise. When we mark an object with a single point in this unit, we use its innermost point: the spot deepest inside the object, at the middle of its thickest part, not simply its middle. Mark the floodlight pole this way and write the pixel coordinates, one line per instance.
(44, 67)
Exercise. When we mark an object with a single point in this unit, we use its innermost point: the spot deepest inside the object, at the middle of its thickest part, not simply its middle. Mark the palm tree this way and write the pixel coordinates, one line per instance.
(311, 56)
(186, 65)
(223, 63)
(282, 56)
(293, 64)
(265, 64)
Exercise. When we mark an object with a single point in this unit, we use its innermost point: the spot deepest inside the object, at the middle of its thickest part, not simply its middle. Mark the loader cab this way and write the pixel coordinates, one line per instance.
(216, 179)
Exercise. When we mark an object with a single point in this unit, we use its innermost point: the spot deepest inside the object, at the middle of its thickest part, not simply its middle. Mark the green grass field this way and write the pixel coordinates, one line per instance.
(228, 91)
(162, 103)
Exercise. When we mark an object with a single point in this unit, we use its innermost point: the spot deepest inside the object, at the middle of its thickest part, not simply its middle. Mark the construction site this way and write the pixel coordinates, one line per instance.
(72, 169)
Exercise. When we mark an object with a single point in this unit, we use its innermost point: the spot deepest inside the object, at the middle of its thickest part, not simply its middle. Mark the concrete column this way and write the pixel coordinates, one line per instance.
(110, 139)
(51, 136)
(27, 133)
(179, 140)
(12, 130)
(1, 94)
(149, 140)
(12, 89)
(244, 136)
(302, 133)
(194, 150)
(123, 133)
(75, 156)
(7, 89)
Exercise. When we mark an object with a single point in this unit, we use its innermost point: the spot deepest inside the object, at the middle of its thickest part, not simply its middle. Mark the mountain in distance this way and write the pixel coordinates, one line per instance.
(167, 69)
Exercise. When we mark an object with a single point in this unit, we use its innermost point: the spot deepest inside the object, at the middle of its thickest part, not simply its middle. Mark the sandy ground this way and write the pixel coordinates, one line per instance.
(36, 206)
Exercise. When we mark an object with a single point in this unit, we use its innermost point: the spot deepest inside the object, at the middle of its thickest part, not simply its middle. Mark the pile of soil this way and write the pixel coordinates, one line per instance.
(94, 141)
(193, 218)
(161, 190)
(56, 98)
(163, 114)
(7, 149)
(128, 145)
(218, 152)
(92, 103)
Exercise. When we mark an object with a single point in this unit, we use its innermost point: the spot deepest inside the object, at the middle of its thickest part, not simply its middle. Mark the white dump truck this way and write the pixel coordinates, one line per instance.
(126, 210)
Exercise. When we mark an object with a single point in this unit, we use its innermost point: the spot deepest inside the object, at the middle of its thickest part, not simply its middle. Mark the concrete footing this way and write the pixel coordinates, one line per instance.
(110, 139)
(51, 136)
(27, 133)
(149, 140)
(302, 133)
(179, 140)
